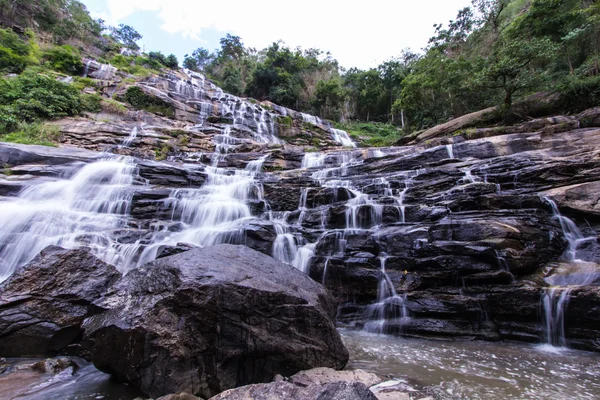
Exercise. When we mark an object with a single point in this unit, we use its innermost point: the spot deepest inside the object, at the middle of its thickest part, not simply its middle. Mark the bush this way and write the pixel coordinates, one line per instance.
(111, 106)
(133, 65)
(34, 96)
(142, 101)
(64, 59)
(169, 61)
(91, 103)
(15, 53)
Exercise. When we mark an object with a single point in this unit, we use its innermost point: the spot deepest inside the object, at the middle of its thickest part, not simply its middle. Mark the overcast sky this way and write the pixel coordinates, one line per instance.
(358, 34)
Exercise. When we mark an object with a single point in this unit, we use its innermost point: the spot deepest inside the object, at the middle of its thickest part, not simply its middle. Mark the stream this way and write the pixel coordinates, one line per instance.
(447, 370)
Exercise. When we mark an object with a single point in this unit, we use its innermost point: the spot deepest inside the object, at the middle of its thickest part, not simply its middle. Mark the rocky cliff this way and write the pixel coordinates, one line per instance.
(490, 238)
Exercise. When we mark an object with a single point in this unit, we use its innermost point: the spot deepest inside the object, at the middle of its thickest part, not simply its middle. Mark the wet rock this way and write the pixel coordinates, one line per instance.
(44, 303)
(286, 390)
(211, 319)
(320, 376)
(180, 396)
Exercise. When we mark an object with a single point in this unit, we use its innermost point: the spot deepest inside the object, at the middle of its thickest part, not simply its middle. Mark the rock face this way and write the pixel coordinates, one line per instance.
(463, 236)
(211, 319)
(44, 303)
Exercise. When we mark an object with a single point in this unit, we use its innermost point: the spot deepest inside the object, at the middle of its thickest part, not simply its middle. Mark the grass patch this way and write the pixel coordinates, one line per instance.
(371, 134)
(111, 106)
(142, 101)
(35, 133)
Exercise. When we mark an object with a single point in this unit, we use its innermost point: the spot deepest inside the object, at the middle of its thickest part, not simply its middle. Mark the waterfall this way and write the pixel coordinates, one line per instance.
(313, 160)
(389, 306)
(342, 137)
(86, 69)
(80, 211)
(450, 151)
(132, 136)
(555, 299)
(555, 303)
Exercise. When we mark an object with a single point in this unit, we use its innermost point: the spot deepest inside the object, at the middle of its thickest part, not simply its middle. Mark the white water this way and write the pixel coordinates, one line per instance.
(82, 210)
(389, 307)
(579, 272)
(132, 136)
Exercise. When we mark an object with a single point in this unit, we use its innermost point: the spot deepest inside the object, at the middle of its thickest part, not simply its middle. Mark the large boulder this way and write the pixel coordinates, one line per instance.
(212, 319)
(44, 303)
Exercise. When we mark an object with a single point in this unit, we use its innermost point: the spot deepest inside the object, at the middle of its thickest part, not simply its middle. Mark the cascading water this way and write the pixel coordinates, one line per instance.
(389, 307)
(579, 272)
(132, 136)
(80, 211)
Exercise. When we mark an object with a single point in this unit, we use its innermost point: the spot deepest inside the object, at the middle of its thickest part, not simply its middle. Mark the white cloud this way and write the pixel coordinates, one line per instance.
(359, 34)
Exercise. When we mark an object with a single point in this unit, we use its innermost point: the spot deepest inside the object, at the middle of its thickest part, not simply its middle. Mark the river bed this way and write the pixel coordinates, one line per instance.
(447, 370)
(478, 370)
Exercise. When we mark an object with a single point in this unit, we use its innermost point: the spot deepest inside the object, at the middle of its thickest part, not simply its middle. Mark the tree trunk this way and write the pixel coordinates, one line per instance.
(402, 117)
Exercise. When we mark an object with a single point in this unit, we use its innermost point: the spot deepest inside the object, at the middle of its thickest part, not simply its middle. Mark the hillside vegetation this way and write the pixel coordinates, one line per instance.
(492, 54)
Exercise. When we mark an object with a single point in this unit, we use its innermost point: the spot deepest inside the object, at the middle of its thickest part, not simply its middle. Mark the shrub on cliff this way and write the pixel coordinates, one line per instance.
(64, 59)
(34, 96)
(142, 101)
(16, 53)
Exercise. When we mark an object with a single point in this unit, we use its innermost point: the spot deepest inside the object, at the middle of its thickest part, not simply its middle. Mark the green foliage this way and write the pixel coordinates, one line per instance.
(113, 107)
(127, 36)
(142, 101)
(374, 134)
(34, 96)
(159, 60)
(232, 80)
(199, 59)
(81, 83)
(34, 133)
(16, 53)
(62, 19)
(64, 59)
(329, 99)
(91, 103)
(139, 66)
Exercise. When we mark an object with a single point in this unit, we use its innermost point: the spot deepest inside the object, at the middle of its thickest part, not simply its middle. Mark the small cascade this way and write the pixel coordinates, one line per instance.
(468, 178)
(206, 110)
(571, 232)
(132, 136)
(579, 272)
(285, 248)
(354, 219)
(342, 137)
(450, 150)
(224, 143)
(313, 160)
(304, 256)
(376, 153)
(554, 302)
(86, 69)
(389, 306)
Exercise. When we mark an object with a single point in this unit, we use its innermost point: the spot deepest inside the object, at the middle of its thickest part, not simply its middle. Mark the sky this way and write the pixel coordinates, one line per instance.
(358, 34)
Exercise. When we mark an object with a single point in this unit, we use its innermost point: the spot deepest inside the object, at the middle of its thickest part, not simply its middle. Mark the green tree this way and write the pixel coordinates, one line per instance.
(232, 80)
(511, 67)
(127, 36)
(329, 99)
(199, 59)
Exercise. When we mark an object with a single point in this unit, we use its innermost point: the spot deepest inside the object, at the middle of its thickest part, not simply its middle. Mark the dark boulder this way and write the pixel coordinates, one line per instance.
(212, 319)
(44, 303)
